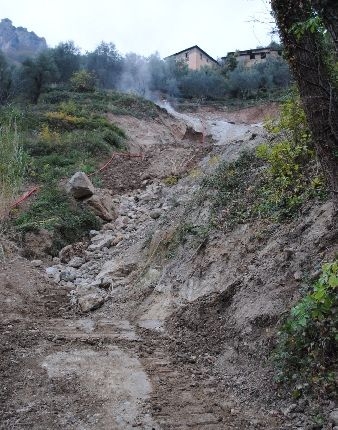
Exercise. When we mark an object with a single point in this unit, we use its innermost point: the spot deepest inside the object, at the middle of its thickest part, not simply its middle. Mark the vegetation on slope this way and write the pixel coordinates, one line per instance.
(45, 143)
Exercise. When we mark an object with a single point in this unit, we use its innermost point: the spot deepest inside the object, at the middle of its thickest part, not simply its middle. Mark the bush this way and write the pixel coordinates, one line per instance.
(307, 344)
(83, 82)
(291, 177)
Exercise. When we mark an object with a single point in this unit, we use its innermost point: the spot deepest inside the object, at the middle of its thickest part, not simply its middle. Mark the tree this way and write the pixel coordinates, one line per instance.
(106, 64)
(67, 59)
(304, 42)
(37, 73)
(6, 80)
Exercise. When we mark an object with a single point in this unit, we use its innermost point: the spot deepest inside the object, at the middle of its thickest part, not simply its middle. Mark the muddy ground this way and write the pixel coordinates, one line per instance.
(182, 344)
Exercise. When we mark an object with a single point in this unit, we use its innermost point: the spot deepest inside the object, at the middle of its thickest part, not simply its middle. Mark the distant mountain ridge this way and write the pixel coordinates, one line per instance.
(17, 43)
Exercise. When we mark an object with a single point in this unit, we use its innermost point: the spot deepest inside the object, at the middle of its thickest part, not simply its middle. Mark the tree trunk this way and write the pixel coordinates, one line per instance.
(307, 59)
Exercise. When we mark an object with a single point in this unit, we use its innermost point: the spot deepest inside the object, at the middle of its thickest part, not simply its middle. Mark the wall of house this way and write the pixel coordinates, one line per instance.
(195, 59)
(256, 57)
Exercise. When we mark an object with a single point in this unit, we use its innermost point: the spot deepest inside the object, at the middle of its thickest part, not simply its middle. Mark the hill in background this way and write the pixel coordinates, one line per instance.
(18, 43)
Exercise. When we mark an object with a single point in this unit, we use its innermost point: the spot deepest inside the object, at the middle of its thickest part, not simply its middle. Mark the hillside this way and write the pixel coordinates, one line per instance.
(17, 43)
(166, 315)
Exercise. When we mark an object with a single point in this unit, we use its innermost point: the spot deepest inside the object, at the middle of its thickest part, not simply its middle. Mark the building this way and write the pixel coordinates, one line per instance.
(252, 56)
(195, 58)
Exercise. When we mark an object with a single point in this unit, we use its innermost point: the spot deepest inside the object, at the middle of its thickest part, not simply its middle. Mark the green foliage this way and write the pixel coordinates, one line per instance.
(67, 60)
(37, 74)
(275, 181)
(105, 63)
(68, 139)
(12, 161)
(83, 82)
(291, 176)
(6, 80)
(54, 210)
(307, 344)
(258, 80)
(44, 146)
(313, 25)
(206, 82)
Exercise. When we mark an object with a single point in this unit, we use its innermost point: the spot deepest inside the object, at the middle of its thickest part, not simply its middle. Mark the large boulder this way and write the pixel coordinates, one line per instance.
(80, 186)
(99, 208)
(90, 302)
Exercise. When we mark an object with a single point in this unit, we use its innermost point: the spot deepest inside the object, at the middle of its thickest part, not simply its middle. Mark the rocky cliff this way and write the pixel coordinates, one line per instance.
(18, 43)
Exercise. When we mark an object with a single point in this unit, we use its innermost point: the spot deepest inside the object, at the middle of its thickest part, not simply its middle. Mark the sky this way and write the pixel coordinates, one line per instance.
(146, 26)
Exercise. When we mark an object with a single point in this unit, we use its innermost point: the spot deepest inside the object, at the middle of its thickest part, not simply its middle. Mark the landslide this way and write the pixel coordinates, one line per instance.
(186, 312)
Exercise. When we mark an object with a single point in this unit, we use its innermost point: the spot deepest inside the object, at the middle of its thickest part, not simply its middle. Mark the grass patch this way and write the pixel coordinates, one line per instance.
(12, 162)
(104, 102)
(64, 133)
(55, 211)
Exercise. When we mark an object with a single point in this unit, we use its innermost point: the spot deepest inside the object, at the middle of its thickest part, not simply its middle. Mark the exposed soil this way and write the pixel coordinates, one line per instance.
(179, 343)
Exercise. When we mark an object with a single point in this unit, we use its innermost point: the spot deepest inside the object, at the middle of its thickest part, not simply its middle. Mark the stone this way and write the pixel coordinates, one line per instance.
(66, 254)
(76, 262)
(155, 214)
(80, 186)
(90, 302)
(68, 275)
(297, 275)
(36, 263)
(97, 206)
(104, 283)
(117, 239)
(108, 226)
(100, 241)
(93, 233)
(51, 271)
(121, 222)
(333, 417)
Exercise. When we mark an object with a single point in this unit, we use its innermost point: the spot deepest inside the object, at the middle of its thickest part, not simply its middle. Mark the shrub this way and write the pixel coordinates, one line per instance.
(83, 81)
(307, 344)
(291, 177)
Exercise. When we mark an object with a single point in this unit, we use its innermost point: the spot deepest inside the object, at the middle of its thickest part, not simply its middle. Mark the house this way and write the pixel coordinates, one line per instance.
(252, 56)
(195, 58)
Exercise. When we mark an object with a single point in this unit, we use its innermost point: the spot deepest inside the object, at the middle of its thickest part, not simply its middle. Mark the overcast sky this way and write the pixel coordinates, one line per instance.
(146, 26)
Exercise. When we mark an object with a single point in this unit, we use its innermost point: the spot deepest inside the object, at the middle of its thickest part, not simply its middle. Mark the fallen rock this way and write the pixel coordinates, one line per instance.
(36, 263)
(66, 254)
(155, 214)
(68, 275)
(97, 206)
(90, 302)
(76, 262)
(334, 417)
(80, 186)
(51, 271)
(100, 241)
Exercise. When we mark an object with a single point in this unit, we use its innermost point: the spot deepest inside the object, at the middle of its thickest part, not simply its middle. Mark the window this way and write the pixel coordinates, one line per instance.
(187, 55)
(252, 56)
(201, 56)
(263, 55)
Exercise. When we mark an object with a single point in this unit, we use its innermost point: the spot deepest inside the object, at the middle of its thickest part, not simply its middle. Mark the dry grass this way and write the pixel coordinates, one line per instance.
(12, 166)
